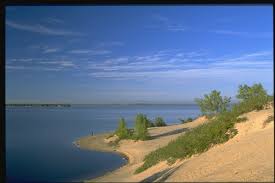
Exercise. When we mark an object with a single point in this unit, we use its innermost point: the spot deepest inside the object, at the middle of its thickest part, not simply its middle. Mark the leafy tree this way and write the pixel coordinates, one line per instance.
(122, 131)
(213, 103)
(141, 125)
(246, 92)
(159, 121)
(254, 97)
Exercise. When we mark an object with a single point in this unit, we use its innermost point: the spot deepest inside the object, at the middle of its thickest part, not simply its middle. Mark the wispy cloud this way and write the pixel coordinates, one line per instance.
(180, 65)
(50, 50)
(244, 34)
(166, 23)
(43, 64)
(44, 48)
(42, 29)
(91, 52)
(174, 64)
(54, 20)
(110, 44)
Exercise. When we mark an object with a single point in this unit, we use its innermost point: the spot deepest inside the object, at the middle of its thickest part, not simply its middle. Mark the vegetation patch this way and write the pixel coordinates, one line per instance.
(268, 120)
(186, 120)
(159, 122)
(241, 119)
(219, 129)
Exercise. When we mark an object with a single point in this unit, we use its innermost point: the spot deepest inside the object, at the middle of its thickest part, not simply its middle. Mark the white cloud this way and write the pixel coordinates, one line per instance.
(112, 43)
(244, 34)
(166, 23)
(180, 65)
(91, 52)
(54, 20)
(50, 50)
(37, 28)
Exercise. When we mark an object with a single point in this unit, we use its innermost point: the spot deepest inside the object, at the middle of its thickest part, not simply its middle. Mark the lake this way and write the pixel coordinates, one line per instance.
(39, 139)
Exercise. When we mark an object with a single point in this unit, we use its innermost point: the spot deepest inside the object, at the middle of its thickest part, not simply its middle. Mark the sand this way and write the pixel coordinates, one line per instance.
(249, 156)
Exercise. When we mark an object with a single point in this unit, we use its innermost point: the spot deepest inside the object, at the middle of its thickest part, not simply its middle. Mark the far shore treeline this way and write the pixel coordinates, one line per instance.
(38, 105)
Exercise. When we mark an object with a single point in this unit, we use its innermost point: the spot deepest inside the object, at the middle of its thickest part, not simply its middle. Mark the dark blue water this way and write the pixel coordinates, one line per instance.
(39, 140)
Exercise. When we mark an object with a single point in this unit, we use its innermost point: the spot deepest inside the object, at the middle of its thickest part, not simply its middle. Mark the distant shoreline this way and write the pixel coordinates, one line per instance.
(38, 105)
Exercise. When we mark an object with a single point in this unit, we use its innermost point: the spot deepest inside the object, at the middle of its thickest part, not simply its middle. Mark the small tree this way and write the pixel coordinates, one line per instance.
(122, 131)
(141, 125)
(213, 103)
(159, 121)
(255, 97)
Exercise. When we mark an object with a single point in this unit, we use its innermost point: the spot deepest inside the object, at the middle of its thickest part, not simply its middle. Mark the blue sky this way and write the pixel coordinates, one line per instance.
(135, 54)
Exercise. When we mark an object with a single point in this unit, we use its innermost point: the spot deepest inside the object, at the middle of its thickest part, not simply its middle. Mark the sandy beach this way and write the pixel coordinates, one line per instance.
(249, 156)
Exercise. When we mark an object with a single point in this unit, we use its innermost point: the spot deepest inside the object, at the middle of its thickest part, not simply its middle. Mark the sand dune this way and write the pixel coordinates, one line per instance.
(249, 156)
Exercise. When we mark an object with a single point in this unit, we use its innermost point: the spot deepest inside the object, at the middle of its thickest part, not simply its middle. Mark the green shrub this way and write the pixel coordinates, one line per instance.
(268, 120)
(122, 131)
(150, 123)
(110, 135)
(252, 98)
(141, 124)
(186, 120)
(182, 120)
(218, 130)
(213, 103)
(159, 121)
(195, 141)
(241, 119)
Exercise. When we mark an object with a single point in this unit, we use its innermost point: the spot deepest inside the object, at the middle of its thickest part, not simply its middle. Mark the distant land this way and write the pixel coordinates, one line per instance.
(39, 105)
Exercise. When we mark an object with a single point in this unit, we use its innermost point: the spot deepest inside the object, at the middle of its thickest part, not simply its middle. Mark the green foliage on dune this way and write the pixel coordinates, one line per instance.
(213, 103)
(217, 130)
(122, 131)
(159, 122)
(141, 125)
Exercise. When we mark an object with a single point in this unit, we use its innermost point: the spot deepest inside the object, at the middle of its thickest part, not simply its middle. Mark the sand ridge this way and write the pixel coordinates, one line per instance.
(249, 156)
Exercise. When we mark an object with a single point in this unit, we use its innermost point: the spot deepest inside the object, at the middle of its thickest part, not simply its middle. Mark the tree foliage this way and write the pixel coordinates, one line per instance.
(213, 103)
(141, 125)
(122, 131)
(159, 121)
(253, 97)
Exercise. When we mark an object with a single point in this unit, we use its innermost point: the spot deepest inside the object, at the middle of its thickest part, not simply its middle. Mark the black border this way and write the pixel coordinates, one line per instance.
(101, 3)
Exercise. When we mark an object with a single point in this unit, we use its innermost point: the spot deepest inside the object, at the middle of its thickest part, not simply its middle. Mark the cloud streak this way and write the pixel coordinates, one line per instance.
(167, 24)
(180, 65)
(41, 29)
(244, 34)
(91, 52)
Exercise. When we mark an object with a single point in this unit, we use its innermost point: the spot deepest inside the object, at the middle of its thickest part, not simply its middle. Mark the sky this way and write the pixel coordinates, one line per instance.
(135, 54)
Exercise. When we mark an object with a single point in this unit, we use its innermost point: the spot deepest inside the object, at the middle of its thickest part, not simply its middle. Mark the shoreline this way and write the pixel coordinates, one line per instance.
(81, 144)
(240, 154)
(134, 151)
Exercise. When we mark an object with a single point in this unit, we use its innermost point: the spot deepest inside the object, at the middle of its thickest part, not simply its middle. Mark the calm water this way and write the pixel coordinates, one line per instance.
(39, 140)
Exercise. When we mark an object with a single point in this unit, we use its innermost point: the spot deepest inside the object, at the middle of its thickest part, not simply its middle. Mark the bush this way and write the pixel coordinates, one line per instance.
(182, 120)
(195, 141)
(252, 98)
(218, 130)
(213, 103)
(241, 119)
(268, 120)
(141, 124)
(159, 121)
(186, 121)
(122, 132)
(150, 123)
